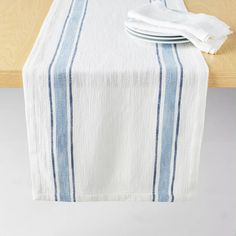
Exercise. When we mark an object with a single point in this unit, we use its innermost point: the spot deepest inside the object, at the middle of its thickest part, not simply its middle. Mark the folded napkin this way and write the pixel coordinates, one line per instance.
(109, 119)
(210, 46)
(206, 32)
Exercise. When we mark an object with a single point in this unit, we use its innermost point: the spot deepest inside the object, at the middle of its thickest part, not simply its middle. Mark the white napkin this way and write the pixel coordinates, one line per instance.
(206, 32)
(210, 46)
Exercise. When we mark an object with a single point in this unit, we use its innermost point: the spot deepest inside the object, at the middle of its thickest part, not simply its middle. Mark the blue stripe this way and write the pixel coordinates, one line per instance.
(50, 102)
(157, 125)
(72, 22)
(71, 102)
(60, 86)
(178, 120)
(168, 122)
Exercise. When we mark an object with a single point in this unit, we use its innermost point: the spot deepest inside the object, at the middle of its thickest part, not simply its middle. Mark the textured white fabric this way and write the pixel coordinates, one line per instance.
(206, 32)
(108, 118)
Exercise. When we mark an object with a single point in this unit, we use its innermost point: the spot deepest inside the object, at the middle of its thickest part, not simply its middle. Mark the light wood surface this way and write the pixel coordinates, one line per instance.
(222, 66)
(20, 21)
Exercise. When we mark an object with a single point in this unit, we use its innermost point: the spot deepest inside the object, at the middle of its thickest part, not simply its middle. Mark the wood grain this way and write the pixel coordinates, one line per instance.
(222, 66)
(21, 20)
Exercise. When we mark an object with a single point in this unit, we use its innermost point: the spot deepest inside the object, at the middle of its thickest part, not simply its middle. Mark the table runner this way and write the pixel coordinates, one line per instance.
(109, 118)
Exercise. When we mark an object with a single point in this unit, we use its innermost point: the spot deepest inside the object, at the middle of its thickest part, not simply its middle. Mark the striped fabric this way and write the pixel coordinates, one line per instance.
(109, 118)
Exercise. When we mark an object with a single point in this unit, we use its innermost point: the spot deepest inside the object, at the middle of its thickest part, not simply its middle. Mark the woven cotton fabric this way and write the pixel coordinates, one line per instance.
(109, 118)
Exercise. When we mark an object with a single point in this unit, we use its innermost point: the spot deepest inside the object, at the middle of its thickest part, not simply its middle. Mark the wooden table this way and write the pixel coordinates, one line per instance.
(20, 21)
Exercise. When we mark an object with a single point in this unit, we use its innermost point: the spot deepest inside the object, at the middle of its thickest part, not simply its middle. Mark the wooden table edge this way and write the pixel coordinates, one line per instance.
(13, 78)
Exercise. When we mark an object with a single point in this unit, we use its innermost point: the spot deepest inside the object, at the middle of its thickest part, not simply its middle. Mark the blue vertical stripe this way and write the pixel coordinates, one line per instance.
(178, 120)
(168, 122)
(60, 87)
(157, 124)
(71, 101)
(59, 118)
(50, 102)
(169, 117)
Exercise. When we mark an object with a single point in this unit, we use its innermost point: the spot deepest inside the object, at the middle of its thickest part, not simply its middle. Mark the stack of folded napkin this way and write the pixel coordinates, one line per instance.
(206, 32)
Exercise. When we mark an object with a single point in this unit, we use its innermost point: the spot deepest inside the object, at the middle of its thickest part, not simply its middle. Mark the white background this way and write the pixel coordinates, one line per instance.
(212, 212)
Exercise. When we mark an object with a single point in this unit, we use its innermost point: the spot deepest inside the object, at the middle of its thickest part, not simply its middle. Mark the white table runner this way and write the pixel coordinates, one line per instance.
(109, 118)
